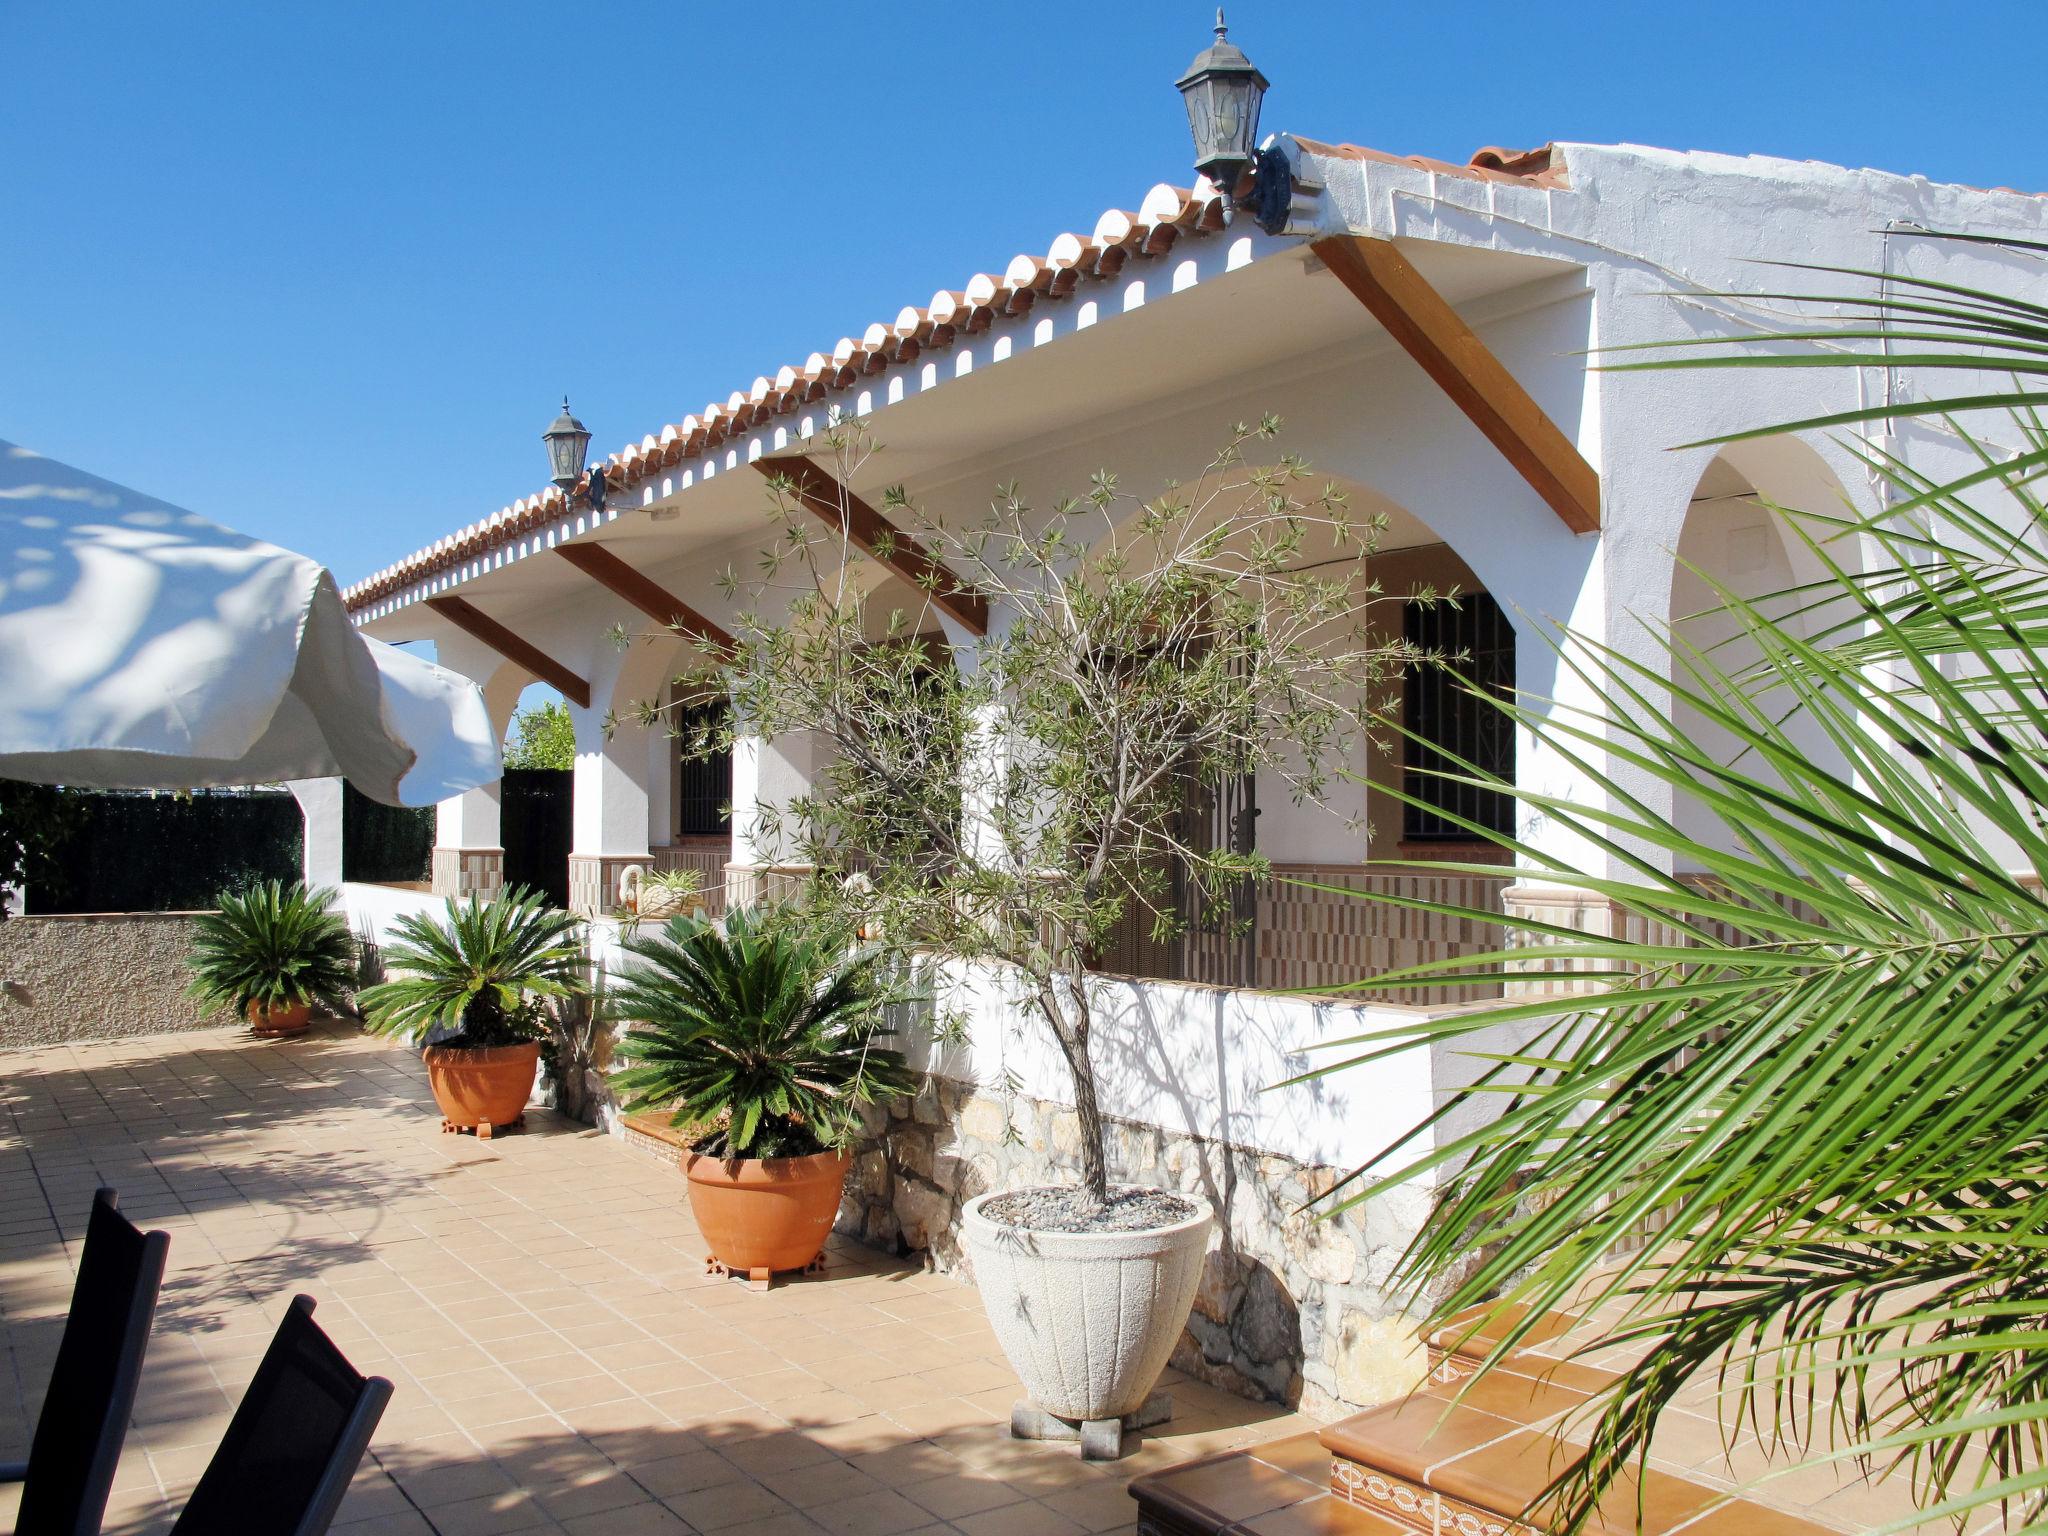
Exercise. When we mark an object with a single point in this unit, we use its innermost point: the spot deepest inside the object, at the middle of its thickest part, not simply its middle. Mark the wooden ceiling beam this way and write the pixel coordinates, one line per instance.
(1477, 382)
(826, 497)
(473, 621)
(649, 596)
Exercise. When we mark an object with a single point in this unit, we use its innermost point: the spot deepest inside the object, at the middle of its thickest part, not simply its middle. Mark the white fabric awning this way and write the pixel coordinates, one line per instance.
(143, 647)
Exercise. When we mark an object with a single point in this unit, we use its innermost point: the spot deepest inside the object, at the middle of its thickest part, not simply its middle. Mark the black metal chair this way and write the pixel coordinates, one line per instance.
(84, 1418)
(294, 1442)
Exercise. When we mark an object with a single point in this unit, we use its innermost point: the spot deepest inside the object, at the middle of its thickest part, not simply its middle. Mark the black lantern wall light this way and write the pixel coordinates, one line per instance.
(568, 440)
(1223, 91)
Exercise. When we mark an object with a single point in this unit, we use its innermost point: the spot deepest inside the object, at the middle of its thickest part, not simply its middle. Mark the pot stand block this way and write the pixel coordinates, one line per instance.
(1101, 1439)
(759, 1278)
(482, 1131)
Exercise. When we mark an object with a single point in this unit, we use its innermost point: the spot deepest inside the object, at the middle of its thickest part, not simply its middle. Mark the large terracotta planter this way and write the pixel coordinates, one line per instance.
(760, 1215)
(1087, 1319)
(481, 1090)
(280, 1023)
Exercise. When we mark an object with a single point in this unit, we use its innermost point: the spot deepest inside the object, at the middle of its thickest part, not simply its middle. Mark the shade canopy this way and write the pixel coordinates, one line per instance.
(143, 647)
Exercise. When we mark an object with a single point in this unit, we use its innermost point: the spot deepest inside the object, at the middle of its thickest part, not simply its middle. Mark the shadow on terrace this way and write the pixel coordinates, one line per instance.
(562, 1362)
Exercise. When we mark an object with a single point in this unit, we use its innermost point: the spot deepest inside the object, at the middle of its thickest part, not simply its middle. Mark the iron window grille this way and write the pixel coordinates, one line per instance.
(1451, 723)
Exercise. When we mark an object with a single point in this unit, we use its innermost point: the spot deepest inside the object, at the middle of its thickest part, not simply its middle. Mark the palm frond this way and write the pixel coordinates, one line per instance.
(467, 978)
(1812, 1057)
(763, 1035)
(272, 946)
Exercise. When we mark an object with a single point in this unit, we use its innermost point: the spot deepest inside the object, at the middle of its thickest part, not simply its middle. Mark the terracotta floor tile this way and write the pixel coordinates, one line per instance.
(725, 1505)
(562, 1362)
(1028, 1519)
(955, 1494)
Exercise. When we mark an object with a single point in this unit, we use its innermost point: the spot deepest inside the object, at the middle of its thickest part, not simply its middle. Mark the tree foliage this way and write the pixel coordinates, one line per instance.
(1007, 801)
(542, 737)
(34, 819)
(1821, 1080)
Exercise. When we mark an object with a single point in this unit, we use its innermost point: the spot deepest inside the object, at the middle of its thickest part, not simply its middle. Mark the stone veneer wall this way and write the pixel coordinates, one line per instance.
(1292, 1308)
(96, 977)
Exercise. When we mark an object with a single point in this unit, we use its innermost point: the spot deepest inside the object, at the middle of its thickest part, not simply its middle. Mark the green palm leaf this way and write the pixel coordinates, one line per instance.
(1825, 1073)
(272, 946)
(468, 978)
(761, 1034)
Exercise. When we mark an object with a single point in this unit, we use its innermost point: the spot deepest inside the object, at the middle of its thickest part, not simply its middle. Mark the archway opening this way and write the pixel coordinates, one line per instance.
(1733, 541)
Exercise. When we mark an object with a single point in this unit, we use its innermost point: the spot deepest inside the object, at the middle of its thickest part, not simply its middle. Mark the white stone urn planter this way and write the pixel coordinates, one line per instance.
(1088, 1319)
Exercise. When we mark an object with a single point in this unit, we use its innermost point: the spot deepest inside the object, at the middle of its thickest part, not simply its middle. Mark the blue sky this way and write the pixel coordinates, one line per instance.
(324, 271)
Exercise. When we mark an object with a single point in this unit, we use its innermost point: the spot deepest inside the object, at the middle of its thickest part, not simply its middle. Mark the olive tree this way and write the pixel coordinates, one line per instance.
(1009, 800)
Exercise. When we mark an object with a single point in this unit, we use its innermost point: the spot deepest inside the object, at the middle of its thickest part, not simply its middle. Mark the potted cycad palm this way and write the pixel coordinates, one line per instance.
(471, 990)
(270, 952)
(762, 1037)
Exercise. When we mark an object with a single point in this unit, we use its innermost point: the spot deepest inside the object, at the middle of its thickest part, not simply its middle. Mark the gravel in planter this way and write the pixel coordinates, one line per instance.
(1050, 1208)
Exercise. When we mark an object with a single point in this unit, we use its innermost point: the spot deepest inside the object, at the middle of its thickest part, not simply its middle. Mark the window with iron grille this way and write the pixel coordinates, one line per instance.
(703, 784)
(1478, 645)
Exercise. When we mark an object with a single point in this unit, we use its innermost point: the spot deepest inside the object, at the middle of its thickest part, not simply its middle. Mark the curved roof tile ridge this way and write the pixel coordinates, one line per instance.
(1165, 214)
(1543, 166)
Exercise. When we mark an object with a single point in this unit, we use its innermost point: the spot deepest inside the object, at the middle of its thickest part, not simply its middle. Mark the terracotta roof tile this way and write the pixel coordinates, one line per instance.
(1166, 215)
(1542, 167)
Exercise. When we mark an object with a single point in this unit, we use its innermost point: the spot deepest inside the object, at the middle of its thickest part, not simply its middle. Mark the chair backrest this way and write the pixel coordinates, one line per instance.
(295, 1440)
(92, 1384)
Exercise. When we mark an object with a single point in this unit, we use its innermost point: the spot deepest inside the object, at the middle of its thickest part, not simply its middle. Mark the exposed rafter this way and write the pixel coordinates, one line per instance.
(1477, 382)
(898, 550)
(473, 621)
(649, 596)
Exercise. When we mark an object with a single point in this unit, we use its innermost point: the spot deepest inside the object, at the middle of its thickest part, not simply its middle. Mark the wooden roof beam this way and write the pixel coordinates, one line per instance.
(1477, 382)
(473, 621)
(830, 500)
(649, 596)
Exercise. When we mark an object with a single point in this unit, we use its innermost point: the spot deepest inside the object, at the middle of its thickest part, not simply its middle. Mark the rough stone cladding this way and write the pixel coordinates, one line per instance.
(1292, 1308)
(66, 978)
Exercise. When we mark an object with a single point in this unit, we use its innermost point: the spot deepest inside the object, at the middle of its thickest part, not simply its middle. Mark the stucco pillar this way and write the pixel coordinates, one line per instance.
(320, 802)
(609, 829)
(767, 777)
(469, 850)
(469, 855)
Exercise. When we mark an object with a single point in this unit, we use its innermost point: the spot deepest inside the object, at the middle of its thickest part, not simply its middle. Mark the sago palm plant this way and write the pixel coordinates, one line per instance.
(271, 947)
(471, 978)
(1825, 1075)
(763, 1034)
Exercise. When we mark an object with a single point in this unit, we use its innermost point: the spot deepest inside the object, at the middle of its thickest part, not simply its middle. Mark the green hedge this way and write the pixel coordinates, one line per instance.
(140, 852)
(384, 844)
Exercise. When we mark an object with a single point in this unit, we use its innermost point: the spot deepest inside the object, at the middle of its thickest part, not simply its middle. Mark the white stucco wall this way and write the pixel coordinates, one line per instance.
(1635, 247)
(1191, 1060)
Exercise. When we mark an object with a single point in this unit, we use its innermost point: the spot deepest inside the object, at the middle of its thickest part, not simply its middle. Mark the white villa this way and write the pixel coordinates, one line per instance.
(1423, 329)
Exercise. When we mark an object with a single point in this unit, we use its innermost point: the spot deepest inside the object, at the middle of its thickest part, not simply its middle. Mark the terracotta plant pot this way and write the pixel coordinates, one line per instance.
(759, 1215)
(482, 1089)
(278, 1023)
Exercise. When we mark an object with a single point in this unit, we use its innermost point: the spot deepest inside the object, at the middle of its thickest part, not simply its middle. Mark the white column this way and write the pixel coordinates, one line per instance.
(610, 826)
(661, 784)
(767, 778)
(469, 851)
(320, 802)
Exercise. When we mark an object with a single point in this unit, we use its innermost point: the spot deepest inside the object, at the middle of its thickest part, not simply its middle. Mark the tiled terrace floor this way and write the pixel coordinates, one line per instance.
(562, 1362)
